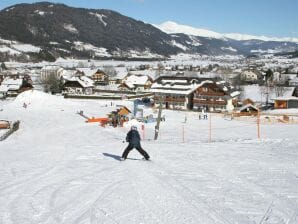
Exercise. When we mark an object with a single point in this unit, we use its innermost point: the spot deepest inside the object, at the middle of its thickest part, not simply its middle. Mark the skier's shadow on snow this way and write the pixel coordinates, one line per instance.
(116, 157)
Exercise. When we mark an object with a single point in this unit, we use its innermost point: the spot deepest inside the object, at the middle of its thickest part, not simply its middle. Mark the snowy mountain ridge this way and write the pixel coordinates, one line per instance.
(171, 27)
(57, 30)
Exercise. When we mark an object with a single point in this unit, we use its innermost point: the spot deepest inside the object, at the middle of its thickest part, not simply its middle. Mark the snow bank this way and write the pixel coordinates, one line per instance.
(36, 97)
(34, 100)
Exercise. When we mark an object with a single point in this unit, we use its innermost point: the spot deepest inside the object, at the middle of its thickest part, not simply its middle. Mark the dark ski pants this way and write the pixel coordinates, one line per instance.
(138, 147)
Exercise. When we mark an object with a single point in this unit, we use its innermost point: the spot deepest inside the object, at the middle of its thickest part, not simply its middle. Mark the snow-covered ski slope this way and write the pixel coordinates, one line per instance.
(58, 169)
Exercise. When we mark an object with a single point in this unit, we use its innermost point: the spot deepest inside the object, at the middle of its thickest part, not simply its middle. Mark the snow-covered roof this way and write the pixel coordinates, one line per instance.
(221, 82)
(147, 72)
(248, 106)
(235, 93)
(172, 91)
(177, 87)
(68, 73)
(51, 67)
(285, 98)
(87, 71)
(171, 81)
(4, 88)
(10, 81)
(186, 85)
(10, 84)
(133, 80)
(83, 80)
(294, 79)
(121, 72)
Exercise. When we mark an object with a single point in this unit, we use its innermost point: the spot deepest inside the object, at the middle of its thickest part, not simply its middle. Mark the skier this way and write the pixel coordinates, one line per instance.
(133, 138)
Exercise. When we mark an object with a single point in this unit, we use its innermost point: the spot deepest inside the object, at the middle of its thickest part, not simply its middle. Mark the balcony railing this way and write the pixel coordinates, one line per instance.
(210, 94)
(209, 102)
(170, 99)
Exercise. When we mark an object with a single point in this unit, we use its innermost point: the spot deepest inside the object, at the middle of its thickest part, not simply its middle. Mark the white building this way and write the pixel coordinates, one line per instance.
(249, 76)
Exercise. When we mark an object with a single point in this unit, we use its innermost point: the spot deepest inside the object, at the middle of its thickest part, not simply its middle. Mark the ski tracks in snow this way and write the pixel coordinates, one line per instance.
(259, 201)
(64, 193)
(87, 188)
(160, 198)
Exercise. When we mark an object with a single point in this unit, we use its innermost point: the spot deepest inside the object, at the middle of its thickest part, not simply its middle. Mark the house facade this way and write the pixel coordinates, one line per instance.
(136, 83)
(121, 73)
(215, 96)
(78, 85)
(247, 110)
(100, 78)
(287, 102)
(194, 93)
(174, 92)
(249, 76)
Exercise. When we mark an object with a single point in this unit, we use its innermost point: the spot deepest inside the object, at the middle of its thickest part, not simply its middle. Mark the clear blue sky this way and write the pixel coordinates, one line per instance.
(257, 17)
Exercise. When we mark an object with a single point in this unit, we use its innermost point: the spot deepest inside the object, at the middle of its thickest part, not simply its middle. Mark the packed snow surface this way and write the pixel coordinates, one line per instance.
(58, 169)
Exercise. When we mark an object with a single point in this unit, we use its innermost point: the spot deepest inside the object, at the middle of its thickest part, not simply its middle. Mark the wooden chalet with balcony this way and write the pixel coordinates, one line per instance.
(175, 92)
(194, 93)
(100, 78)
(215, 96)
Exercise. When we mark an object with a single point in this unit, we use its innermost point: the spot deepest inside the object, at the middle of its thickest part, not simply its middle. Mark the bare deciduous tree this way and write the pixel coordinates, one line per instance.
(51, 83)
(279, 91)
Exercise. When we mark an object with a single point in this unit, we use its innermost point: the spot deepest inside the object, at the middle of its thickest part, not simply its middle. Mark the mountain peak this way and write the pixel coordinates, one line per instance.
(171, 27)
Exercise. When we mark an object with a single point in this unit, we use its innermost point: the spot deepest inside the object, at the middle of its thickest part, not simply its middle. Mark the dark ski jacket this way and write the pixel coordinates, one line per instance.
(133, 137)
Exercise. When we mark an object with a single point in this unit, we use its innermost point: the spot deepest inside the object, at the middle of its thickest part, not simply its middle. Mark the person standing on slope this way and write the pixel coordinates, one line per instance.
(133, 138)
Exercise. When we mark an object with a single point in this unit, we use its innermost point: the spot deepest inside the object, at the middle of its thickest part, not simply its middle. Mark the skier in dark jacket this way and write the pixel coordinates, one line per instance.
(133, 138)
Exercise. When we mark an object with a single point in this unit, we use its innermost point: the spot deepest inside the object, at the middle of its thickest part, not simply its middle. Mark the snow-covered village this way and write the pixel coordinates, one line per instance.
(94, 135)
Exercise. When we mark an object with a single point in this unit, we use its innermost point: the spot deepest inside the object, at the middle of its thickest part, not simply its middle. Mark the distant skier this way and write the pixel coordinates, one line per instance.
(133, 138)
